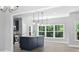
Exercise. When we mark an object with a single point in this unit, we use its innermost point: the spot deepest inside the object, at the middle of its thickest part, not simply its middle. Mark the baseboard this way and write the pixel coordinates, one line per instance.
(57, 41)
(73, 45)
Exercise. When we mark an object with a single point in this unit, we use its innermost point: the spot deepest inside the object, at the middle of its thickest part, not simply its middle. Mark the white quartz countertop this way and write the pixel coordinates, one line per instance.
(31, 36)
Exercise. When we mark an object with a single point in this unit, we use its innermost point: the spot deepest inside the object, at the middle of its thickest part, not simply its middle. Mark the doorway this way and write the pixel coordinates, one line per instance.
(17, 31)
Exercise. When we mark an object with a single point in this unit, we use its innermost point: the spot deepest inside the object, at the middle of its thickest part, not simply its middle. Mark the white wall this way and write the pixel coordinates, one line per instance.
(70, 28)
(73, 20)
(26, 22)
(8, 31)
(61, 20)
(2, 35)
(5, 32)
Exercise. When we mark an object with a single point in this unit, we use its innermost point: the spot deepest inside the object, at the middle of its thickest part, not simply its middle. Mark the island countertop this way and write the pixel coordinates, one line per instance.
(32, 36)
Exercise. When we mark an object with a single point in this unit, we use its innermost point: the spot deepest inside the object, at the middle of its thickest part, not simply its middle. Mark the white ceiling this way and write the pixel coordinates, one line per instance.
(61, 11)
(54, 11)
(28, 8)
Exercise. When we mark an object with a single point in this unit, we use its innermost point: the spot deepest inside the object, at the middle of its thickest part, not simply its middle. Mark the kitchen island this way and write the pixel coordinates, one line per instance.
(31, 42)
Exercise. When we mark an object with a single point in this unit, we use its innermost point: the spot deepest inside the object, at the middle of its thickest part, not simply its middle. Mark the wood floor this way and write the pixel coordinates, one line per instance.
(49, 47)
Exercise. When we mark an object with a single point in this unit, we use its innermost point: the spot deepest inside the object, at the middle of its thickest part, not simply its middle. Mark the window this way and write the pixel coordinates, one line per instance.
(77, 31)
(77, 27)
(49, 31)
(52, 30)
(42, 30)
(59, 29)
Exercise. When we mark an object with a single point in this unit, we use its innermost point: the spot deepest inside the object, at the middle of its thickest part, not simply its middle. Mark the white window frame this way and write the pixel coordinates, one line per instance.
(76, 31)
(51, 31)
(40, 31)
(60, 31)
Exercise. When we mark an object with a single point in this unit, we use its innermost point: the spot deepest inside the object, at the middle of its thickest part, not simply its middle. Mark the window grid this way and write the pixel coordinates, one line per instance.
(41, 31)
(59, 31)
(52, 31)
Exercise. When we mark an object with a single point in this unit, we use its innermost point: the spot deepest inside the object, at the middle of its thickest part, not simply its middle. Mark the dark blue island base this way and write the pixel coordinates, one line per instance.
(29, 43)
